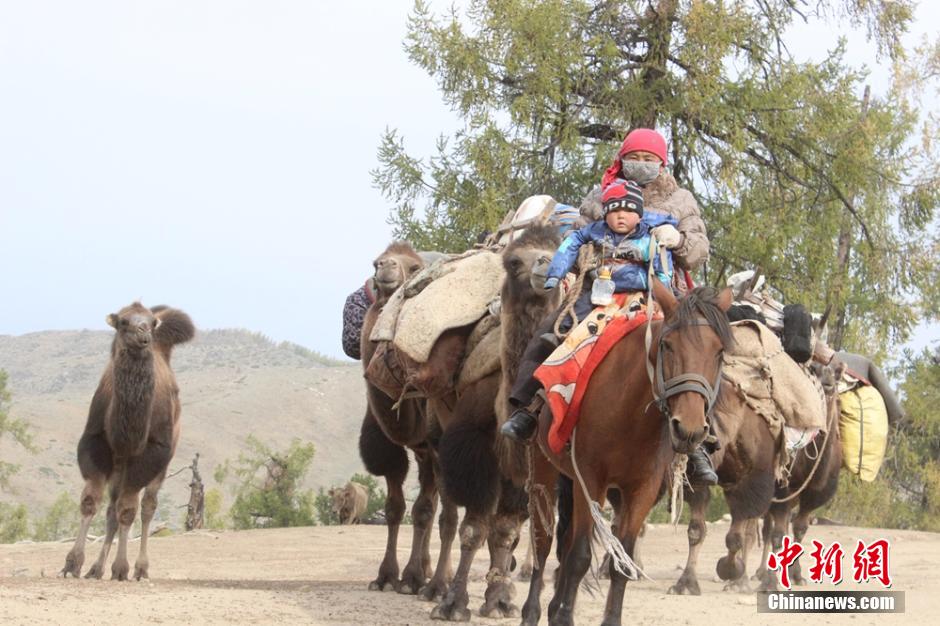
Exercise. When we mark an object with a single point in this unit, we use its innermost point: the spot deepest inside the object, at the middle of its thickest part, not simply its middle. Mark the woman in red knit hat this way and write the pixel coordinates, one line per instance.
(643, 158)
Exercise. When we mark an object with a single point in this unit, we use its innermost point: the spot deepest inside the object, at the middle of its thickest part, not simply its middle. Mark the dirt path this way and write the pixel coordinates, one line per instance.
(319, 576)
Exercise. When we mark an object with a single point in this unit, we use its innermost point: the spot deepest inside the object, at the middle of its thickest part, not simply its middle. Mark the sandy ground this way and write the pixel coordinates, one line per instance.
(320, 575)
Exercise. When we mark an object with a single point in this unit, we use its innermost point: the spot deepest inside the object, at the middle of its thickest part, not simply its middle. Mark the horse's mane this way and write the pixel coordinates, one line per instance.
(703, 302)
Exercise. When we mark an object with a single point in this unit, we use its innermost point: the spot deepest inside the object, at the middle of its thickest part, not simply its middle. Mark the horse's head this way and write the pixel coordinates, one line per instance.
(694, 335)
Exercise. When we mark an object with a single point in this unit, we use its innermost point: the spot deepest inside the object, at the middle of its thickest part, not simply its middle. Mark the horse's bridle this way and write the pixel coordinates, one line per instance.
(665, 389)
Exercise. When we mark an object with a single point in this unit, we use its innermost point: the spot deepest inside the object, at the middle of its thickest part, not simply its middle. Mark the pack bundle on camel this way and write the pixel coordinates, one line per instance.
(390, 425)
(131, 434)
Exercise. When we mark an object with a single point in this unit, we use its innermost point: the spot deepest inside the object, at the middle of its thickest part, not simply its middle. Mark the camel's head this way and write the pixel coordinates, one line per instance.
(527, 258)
(394, 266)
(134, 324)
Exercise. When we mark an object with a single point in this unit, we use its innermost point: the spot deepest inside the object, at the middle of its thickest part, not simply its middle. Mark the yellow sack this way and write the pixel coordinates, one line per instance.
(863, 425)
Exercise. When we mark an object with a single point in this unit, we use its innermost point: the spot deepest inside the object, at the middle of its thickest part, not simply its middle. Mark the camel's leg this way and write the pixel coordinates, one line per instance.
(126, 512)
(394, 513)
(577, 561)
(766, 530)
(97, 570)
(510, 514)
(688, 581)
(632, 520)
(473, 532)
(415, 574)
(542, 520)
(91, 499)
(779, 516)
(447, 523)
(800, 524)
(148, 506)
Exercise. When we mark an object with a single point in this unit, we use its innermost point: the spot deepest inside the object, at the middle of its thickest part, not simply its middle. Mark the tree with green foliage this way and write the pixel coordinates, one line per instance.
(17, 429)
(323, 505)
(215, 519)
(14, 522)
(61, 520)
(799, 169)
(267, 488)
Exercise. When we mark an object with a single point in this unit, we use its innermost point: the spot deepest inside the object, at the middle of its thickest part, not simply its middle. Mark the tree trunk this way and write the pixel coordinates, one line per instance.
(659, 21)
(195, 510)
(843, 254)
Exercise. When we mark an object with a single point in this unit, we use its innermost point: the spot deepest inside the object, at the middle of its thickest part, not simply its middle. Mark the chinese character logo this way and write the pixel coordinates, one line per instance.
(871, 561)
(790, 552)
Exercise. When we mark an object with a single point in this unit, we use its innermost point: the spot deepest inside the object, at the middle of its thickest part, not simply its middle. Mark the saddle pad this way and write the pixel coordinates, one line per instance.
(566, 373)
(455, 299)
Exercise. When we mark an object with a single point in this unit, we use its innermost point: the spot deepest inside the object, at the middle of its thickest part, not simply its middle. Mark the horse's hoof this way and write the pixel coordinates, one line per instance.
(95, 572)
(140, 571)
(729, 569)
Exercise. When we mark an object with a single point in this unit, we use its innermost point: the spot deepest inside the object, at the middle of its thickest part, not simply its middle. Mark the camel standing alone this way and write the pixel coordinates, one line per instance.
(131, 434)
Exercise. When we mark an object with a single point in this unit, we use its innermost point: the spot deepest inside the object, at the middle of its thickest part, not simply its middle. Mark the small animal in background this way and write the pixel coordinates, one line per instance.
(131, 434)
(350, 502)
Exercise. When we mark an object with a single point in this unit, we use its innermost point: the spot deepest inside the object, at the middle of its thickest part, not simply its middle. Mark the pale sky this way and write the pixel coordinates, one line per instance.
(212, 155)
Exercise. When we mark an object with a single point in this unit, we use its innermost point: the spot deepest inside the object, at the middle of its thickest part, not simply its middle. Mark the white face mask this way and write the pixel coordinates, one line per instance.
(643, 172)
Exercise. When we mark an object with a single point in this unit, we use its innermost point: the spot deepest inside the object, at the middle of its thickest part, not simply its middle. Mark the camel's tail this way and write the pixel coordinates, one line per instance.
(175, 327)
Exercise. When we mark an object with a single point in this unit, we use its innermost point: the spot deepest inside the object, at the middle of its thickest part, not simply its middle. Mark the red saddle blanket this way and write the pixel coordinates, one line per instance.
(566, 373)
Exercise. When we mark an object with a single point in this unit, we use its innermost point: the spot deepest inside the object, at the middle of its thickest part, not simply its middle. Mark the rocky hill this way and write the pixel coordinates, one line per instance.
(232, 383)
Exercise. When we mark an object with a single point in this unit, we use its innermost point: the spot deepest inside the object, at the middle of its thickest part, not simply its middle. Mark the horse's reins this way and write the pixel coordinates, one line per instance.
(663, 388)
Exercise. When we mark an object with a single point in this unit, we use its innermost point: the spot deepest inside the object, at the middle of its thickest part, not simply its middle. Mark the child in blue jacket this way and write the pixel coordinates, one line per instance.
(624, 239)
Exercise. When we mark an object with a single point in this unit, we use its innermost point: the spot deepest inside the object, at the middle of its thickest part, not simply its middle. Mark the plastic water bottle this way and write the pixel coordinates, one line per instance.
(602, 292)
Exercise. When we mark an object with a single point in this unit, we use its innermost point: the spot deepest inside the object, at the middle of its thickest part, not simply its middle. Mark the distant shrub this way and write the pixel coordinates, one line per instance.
(14, 522)
(61, 520)
(266, 491)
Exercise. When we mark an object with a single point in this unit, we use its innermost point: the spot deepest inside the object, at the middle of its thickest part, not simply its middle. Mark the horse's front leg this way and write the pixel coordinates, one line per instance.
(635, 506)
(577, 561)
(688, 581)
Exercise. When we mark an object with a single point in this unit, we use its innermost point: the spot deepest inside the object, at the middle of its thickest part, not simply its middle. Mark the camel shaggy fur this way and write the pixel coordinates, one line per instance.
(131, 434)
(484, 472)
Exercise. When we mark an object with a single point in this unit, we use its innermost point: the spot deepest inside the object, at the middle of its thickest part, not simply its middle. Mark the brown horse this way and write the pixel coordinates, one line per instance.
(814, 478)
(745, 465)
(628, 435)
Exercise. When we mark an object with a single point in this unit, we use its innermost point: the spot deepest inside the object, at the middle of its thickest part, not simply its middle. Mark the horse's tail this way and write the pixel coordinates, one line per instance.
(175, 327)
